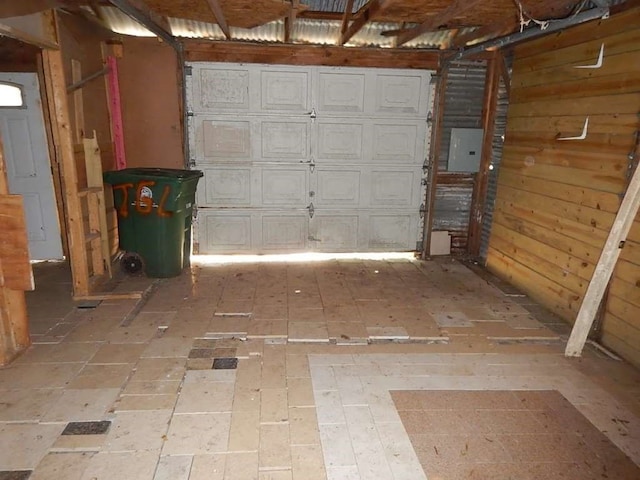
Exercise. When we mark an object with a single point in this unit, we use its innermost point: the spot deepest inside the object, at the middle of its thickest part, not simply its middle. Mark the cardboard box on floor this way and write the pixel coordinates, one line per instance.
(440, 243)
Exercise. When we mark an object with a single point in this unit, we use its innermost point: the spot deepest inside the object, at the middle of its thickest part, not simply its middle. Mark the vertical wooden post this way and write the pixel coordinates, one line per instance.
(55, 165)
(488, 124)
(63, 138)
(117, 128)
(436, 136)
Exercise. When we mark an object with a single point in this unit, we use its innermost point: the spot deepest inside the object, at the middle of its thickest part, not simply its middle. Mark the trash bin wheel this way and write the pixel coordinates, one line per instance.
(132, 263)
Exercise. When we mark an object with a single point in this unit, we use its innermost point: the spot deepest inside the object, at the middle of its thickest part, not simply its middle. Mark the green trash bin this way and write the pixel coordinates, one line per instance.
(154, 206)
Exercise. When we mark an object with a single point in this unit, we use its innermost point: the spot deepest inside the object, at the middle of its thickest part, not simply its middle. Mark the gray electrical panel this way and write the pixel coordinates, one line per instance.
(465, 149)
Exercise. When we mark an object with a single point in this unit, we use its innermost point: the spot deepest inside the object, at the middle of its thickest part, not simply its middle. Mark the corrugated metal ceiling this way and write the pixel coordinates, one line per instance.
(305, 31)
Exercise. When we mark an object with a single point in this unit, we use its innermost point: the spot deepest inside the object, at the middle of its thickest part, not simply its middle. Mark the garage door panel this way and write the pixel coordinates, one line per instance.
(285, 91)
(285, 140)
(400, 95)
(340, 92)
(340, 141)
(394, 188)
(285, 232)
(285, 187)
(396, 143)
(225, 187)
(337, 188)
(219, 233)
(222, 140)
(223, 89)
(334, 232)
(392, 232)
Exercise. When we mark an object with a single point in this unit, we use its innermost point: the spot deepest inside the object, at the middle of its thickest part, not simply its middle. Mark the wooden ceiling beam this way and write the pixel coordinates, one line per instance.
(289, 54)
(216, 9)
(319, 15)
(364, 15)
(453, 10)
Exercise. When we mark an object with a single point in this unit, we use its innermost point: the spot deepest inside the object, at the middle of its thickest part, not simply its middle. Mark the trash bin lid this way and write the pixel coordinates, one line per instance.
(161, 172)
(149, 173)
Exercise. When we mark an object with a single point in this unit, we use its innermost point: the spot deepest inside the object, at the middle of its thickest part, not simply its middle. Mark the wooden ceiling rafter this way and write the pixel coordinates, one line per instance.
(216, 9)
(455, 8)
(346, 18)
(290, 20)
(362, 17)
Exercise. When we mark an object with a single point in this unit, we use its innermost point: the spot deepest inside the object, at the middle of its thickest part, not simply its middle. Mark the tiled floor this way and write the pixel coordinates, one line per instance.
(323, 350)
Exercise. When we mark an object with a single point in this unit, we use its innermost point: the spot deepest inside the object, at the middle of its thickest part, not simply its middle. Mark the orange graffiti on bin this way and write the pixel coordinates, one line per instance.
(143, 201)
(165, 195)
(123, 209)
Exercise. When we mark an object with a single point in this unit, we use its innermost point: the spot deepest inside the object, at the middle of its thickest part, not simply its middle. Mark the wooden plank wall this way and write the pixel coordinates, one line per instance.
(556, 200)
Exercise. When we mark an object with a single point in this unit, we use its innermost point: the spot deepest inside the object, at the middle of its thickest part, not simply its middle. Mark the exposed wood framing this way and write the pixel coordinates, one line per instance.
(320, 15)
(346, 18)
(436, 139)
(55, 165)
(454, 9)
(7, 31)
(63, 138)
(492, 85)
(363, 16)
(14, 246)
(203, 51)
(290, 20)
(604, 269)
(115, 113)
(214, 5)
(14, 325)
(98, 214)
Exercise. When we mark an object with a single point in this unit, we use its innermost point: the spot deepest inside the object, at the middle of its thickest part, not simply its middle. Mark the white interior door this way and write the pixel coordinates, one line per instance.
(28, 166)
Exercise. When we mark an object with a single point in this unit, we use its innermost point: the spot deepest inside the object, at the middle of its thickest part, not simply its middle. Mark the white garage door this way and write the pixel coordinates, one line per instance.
(308, 158)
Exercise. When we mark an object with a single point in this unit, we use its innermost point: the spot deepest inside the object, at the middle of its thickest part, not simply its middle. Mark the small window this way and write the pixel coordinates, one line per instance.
(10, 95)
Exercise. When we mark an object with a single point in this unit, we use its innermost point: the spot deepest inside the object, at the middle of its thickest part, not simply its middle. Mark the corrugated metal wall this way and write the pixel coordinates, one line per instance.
(496, 159)
(464, 95)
